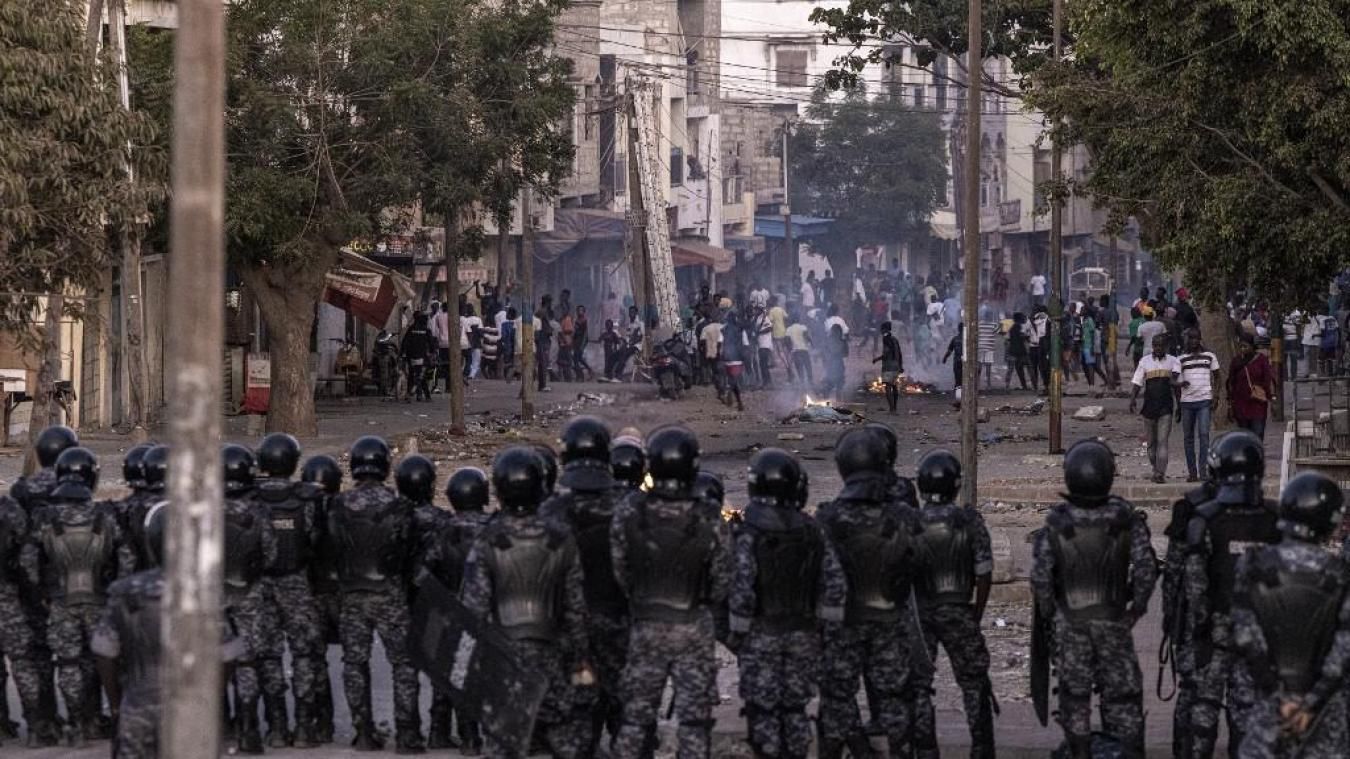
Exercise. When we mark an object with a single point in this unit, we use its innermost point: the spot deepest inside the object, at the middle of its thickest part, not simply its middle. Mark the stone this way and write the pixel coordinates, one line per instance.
(1090, 413)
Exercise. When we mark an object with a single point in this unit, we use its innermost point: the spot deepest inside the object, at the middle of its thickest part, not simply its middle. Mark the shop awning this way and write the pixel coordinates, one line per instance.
(687, 251)
(573, 226)
(802, 226)
(366, 289)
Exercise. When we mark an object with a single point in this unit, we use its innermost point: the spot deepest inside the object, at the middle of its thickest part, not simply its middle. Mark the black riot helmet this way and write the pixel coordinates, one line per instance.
(156, 524)
(549, 458)
(628, 460)
(708, 488)
(774, 473)
(77, 466)
(155, 468)
(240, 469)
(369, 458)
(1238, 462)
(1089, 472)
(467, 489)
(278, 455)
(52, 441)
(1310, 507)
(324, 471)
(585, 437)
(416, 478)
(133, 466)
(518, 477)
(939, 476)
(888, 437)
(803, 490)
(860, 451)
(672, 460)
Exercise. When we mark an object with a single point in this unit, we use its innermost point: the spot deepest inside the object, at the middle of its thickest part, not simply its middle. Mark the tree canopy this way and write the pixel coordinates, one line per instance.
(64, 144)
(874, 166)
(1221, 127)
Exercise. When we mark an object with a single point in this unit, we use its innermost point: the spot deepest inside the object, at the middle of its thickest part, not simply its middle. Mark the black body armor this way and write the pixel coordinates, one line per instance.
(367, 555)
(244, 554)
(788, 553)
(80, 555)
(668, 556)
(945, 558)
(874, 556)
(529, 570)
(1092, 563)
(590, 515)
(1232, 530)
(1297, 611)
(10, 541)
(290, 523)
(142, 654)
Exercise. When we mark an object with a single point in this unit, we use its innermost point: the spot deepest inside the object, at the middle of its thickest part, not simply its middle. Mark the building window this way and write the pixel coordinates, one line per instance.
(621, 174)
(676, 167)
(791, 67)
(919, 100)
(942, 97)
(984, 193)
(587, 115)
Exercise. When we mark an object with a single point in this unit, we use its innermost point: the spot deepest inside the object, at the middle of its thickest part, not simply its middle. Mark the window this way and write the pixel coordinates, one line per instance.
(942, 97)
(620, 174)
(587, 118)
(791, 66)
(919, 100)
(676, 166)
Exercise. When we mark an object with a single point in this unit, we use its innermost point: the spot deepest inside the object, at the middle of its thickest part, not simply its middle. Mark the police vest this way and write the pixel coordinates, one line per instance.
(370, 552)
(1297, 611)
(1232, 530)
(874, 554)
(529, 570)
(668, 556)
(244, 555)
(290, 524)
(789, 552)
(945, 557)
(10, 540)
(79, 553)
(591, 514)
(1092, 562)
(134, 511)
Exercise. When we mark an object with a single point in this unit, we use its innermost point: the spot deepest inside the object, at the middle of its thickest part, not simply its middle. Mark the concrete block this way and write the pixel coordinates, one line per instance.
(1090, 414)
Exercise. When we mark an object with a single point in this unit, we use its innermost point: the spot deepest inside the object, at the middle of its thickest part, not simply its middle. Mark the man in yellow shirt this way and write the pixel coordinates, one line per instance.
(778, 326)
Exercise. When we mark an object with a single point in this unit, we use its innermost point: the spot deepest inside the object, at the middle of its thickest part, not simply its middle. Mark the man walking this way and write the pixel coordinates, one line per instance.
(1157, 375)
(1199, 375)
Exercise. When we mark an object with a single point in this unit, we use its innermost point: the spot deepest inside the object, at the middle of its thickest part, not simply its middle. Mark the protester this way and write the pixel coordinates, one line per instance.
(836, 348)
(1251, 385)
(1199, 374)
(1157, 376)
(892, 365)
(988, 339)
(1016, 353)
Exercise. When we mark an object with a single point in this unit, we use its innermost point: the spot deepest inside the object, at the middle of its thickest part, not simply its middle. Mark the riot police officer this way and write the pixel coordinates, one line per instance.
(31, 490)
(710, 491)
(320, 482)
(1291, 626)
(444, 559)
(79, 553)
(133, 473)
(672, 559)
(628, 462)
(786, 578)
(872, 533)
(587, 505)
(524, 575)
(250, 548)
(295, 523)
(17, 637)
(1095, 568)
(370, 542)
(954, 564)
(1221, 529)
(902, 488)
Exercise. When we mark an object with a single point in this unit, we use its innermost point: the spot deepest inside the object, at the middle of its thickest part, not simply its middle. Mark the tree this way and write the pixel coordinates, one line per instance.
(874, 166)
(64, 144)
(1220, 126)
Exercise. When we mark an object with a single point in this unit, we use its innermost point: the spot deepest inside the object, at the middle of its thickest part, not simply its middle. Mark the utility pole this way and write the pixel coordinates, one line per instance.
(455, 382)
(637, 220)
(1057, 269)
(970, 244)
(789, 247)
(190, 725)
(133, 303)
(527, 363)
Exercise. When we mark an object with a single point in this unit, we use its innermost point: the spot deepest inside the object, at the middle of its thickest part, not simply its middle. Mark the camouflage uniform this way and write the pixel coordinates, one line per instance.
(293, 611)
(16, 630)
(1326, 637)
(554, 647)
(374, 580)
(430, 525)
(324, 589)
(31, 492)
(1094, 641)
(780, 654)
(589, 514)
(131, 513)
(1222, 681)
(672, 634)
(250, 547)
(948, 618)
(1175, 628)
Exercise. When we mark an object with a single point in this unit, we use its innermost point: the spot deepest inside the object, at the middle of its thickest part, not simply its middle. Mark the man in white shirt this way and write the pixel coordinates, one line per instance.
(1199, 375)
(471, 341)
(834, 318)
(1157, 376)
(1038, 290)
(799, 341)
(440, 329)
(759, 296)
(1038, 344)
(808, 294)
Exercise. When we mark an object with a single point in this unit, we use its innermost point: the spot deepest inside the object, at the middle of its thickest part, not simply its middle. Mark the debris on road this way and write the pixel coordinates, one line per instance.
(1031, 409)
(1090, 413)
(823, 412)
(791, 436)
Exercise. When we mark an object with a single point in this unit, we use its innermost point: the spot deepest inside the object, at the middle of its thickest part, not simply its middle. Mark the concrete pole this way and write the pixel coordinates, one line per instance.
(528, 366)
(788, 267)
(455, 382)
(1056, 435)
(970, 385)
(190, 724)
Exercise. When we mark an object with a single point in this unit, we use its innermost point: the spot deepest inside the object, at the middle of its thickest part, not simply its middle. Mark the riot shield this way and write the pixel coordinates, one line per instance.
(921, 664)
(1040, 662)
(475, 662)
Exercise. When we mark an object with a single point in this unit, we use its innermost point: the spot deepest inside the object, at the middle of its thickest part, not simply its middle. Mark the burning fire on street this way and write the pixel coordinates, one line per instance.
(907, 387)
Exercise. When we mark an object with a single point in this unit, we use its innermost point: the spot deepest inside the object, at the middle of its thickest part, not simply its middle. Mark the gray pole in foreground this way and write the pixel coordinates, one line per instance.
(1056, 435)
(190, 723)
(528, 365)
(787, 268)
(970, 253)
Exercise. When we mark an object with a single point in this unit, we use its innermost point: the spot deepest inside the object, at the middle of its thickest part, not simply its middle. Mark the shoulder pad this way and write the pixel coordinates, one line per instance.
(1195, 531)
(1059, 519)
(1208, 510)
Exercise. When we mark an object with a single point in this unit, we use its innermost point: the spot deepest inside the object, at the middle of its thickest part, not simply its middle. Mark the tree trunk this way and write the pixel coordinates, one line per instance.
(456, 383)
(44, 408)
(1221, 339)
(133, 320)
(287, 297)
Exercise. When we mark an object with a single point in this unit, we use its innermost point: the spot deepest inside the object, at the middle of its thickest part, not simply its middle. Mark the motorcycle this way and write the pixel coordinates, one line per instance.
(671, 368)
(384, 363)
(349, 364)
